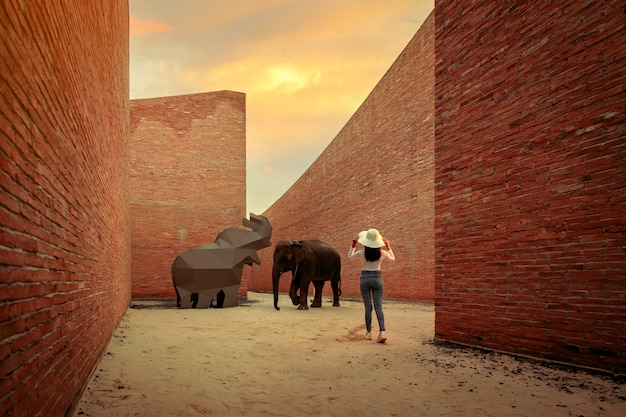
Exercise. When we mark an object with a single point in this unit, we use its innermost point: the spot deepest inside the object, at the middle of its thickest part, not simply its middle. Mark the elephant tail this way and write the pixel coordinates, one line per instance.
(339, 287)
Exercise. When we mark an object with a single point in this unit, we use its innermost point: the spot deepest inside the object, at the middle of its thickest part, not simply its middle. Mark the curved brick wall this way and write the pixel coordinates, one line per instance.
(530, 191)
(527, 250)
(187, 179)
(378, 172)
(64, 218)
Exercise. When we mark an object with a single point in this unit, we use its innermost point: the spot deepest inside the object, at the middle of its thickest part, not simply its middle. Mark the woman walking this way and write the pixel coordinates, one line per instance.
(371, 282)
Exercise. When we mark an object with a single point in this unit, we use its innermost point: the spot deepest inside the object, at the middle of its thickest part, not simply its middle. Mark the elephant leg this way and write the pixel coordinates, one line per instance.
(185, 298)
(177, 294)
(230, 296)
(304, 292)
(195, 297)
(336, 291)
(317, 299)
(293, 292)
(177, 298)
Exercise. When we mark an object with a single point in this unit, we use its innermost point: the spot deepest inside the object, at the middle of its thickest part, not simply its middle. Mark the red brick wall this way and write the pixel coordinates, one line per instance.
(187, 179)
(64, 217)
(530, 179)
(378, 172)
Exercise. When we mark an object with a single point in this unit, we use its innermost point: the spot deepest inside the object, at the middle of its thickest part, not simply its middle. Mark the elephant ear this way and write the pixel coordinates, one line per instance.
(298, 251)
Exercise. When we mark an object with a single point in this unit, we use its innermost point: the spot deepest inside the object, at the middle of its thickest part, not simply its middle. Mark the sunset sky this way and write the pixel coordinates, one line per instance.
(304, 65)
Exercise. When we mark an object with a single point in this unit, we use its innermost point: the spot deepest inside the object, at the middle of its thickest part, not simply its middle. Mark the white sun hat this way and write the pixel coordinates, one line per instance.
(371, 238)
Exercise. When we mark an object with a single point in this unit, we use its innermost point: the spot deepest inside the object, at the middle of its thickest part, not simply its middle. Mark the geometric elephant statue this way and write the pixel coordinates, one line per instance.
(210, 275)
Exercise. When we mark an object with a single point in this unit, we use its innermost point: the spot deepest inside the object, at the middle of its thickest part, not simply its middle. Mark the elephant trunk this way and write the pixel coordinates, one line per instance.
(275, 279)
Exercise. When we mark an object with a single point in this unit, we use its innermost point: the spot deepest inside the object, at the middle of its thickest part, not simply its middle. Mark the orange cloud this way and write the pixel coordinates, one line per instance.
(140, 28)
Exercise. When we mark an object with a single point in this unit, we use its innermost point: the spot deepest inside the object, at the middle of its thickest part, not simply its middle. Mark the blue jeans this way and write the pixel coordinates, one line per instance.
(372, 288)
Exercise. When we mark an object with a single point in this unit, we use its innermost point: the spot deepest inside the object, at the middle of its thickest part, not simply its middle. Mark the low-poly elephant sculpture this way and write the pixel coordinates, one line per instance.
(210, 275)
(308, 260)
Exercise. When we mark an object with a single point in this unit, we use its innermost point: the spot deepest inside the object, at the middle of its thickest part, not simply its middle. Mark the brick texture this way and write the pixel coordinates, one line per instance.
(64, 214)
(491, 154)
(530, 179)
(377, 172)
(187, 180)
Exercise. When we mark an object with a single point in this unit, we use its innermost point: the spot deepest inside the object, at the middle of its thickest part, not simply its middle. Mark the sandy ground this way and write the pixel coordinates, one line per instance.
(252, 360)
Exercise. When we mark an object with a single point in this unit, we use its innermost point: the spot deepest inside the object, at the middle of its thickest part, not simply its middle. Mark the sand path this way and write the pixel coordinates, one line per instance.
(252, 360)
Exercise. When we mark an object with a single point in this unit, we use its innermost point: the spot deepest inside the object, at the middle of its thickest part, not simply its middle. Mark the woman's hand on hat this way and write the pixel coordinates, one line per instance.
(354, 242)
(386, 242)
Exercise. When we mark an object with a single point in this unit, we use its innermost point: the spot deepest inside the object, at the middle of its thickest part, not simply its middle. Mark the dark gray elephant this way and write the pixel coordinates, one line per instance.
(308, 260)
(212, 272)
